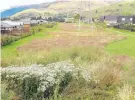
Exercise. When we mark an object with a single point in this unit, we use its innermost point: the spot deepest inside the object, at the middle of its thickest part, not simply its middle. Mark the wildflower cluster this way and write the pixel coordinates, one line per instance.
(42, 76)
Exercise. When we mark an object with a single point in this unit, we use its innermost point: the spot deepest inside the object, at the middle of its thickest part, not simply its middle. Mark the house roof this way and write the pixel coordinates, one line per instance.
(13, 23)
(110, 17)
(125, 16)
(34, 21)
(25, 21)
(3, 24)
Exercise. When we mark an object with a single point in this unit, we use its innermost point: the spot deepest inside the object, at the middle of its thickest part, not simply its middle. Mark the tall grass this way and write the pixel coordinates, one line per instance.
(77, 55)
(98, 77)
(126, 93)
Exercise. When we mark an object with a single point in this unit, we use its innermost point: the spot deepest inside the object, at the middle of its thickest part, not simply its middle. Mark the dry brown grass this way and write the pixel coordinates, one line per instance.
(68, 36)
(126, 93)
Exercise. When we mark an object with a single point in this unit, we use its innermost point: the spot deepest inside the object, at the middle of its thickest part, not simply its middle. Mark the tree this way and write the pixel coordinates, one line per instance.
(76, 17)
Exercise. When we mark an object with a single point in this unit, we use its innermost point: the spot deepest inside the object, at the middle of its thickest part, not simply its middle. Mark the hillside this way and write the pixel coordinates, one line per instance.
(121, 8)
(13, 11)
(99, 8)
(18, 9)
(31, 12)
(73, 6)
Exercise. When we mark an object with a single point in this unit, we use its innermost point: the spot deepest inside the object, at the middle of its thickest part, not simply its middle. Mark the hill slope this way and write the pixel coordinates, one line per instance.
(12, 11)
(15, 10)
(99, 8)
(121, 8)
(72, 6)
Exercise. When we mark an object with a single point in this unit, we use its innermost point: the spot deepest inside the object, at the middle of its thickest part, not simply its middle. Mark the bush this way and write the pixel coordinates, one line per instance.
(127, 27)
(32, 82)
(6, 95)
(5, 40)
(49, 25)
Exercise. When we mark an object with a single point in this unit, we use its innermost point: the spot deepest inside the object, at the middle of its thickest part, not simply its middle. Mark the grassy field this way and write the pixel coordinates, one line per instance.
(111, 77)
(124, 47)
(11, 50)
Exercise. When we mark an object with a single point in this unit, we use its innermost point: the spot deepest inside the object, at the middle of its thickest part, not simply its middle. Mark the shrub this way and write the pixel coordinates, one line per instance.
(5, 40)
(32, 82)
(127, 27)
(6, 95)
(49, 25)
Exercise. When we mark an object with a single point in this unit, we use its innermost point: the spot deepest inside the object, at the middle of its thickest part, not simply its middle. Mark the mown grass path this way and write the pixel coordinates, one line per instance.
(123, 47)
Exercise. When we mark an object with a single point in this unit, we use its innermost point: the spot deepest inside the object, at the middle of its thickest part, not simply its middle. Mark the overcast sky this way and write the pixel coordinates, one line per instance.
(6, 4)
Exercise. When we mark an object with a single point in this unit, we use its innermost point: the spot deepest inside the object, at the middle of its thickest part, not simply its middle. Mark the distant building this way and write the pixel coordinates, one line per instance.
(134, 19)
(112, 20)
(6, 28)
(26, 27)
(11, 27)
(34, 22)
(69, 20)
(125, 19)
(102, 18)
(37, 20)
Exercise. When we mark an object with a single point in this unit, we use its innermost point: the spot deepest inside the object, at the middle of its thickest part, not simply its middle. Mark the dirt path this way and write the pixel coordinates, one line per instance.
(69, 36)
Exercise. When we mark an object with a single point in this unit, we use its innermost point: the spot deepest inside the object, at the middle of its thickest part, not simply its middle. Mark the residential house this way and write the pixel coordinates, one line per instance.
(37, 20)
(133, 19)
(6, 28)
(125, 19)
(43, 22)
(84, 19)
(110, 20)
(15, 28)
(102, 18)
(69, 20)
(34, 22)
(11, 27)
(117, 20)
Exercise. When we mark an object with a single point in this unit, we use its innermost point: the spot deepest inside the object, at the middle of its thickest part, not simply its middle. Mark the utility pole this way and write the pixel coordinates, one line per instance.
(90, 13)
(79, 12)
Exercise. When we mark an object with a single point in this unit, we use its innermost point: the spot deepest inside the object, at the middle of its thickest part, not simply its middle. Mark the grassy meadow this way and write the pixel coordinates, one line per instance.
(103, 59)
(10, 51)
(124, 47)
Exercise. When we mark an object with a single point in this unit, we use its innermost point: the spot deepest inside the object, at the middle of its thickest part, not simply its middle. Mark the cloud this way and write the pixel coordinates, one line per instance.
(6, 4)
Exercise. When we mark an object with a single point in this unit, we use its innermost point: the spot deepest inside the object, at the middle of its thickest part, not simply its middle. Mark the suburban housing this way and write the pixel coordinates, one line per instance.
(114, 20)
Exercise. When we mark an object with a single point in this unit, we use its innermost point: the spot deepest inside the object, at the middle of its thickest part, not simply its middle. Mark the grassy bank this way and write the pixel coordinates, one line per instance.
(123, 47)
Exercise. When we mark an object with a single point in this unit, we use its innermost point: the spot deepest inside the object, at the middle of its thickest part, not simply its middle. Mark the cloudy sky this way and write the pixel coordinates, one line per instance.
(5, 4)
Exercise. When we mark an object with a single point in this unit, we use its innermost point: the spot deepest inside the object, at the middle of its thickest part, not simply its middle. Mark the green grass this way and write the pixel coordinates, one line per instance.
(123, 47)
(81, 55)
(9, 51)
(95, 61)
